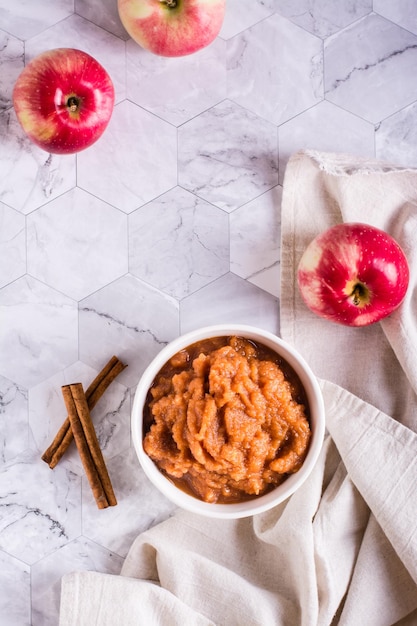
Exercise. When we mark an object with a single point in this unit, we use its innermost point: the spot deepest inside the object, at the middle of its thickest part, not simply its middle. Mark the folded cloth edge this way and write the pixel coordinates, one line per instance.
(388, 489)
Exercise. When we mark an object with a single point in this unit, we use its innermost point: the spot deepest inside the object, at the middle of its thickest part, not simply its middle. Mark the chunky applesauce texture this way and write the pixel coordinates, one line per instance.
(226, 419)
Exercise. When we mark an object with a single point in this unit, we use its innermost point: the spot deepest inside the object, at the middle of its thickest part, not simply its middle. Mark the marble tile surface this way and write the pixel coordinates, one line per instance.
(24, 20)
(178, 251)
(133, 162)
(169, 222)
(323, 18)
(265, 87)
(79, 236)
(176, 89)
(13, 244)
(363, 60)
(237, 161)
(30, 177)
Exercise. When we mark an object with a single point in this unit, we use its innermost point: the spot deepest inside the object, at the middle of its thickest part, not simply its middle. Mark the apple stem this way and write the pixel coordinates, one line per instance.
(358, 294)
(170, 3)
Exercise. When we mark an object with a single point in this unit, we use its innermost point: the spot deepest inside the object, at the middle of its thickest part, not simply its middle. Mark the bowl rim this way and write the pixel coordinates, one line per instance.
(258, 504)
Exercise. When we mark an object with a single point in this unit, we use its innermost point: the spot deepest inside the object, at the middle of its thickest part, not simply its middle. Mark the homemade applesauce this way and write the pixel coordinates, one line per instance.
(227, 420)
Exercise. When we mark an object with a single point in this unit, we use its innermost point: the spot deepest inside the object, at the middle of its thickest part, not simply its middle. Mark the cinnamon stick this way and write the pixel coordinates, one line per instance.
(96, 389)
(88, 446)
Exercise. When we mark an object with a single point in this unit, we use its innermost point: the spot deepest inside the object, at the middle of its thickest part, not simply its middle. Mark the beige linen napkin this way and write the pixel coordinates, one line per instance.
(343, 549)
(320, 190)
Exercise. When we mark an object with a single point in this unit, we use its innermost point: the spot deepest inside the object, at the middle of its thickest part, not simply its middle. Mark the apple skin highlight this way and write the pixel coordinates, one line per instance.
(172, 28)
(63, 100)
(353, 274)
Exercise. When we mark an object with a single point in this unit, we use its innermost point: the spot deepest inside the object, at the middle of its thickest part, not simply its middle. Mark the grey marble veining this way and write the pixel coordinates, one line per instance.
(363, 60)
(169, 222)
(262, 86)
(237, 161)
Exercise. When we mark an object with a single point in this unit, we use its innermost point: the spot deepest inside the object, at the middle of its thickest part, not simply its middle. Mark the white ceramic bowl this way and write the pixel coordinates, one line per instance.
(257, 504)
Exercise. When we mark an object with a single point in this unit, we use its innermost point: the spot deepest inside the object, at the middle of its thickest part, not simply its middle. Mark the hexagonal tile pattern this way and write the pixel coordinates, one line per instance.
(262, 74)
(77, 32)
(196, 254)
(45, 497)
(13, 419)
(66, 239)
(229, 299)
(176, 89)
(236, 161)
(129, 319)
(255, 240)
(133, 162)
(29, 176)
(11, 64)
(131, 488)
(52, 339)
(79, 554)
(401, 12)
(24, 19)
(396, 137)
(323, 127)
(111, 415)
(363, 59)
(104, 15)
(12, 245)
(14, 575)
(323, 18)
(169, 222)
(241, 14)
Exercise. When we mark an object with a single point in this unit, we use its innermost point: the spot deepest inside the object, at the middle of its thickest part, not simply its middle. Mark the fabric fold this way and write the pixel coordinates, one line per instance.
(298, 563)
(342, 550)
(96, 599)
(377, 363)
(380, 458)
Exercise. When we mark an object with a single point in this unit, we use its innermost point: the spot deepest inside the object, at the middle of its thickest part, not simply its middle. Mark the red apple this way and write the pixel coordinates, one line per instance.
(353, 274)
(172, 28)
(63, 100)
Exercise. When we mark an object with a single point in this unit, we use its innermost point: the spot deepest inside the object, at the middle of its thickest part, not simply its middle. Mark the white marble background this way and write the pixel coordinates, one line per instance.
(170, 221)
